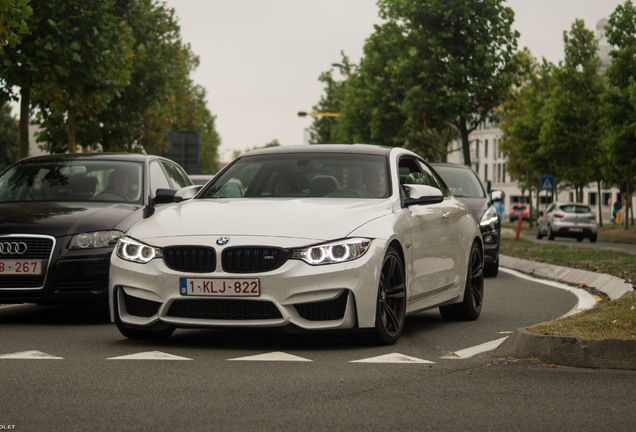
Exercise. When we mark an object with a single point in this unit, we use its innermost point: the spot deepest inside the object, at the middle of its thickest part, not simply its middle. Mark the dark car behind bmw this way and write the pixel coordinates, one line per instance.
(467, 187)
(61, 215)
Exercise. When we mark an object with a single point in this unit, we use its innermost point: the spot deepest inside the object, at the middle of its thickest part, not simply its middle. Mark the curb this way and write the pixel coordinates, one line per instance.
(569, 351)
(614, 287)
(563, 350)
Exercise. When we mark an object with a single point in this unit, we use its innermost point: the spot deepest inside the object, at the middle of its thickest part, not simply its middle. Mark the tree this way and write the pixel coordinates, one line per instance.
(619, 116)
(372, 108)
(521, 122)
(9, 136)
(570, 131)
(75, 58)
(323, 128)
(457, 60)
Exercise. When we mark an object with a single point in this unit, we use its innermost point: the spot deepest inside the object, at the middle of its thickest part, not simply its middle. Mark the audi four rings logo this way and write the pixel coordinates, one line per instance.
(12, 248)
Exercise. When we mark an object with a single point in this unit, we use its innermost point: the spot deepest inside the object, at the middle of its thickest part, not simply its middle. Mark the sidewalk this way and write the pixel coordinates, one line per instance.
(569, 351)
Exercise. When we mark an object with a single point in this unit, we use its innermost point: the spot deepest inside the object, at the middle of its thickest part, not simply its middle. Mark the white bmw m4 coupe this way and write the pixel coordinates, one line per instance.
(315, 237)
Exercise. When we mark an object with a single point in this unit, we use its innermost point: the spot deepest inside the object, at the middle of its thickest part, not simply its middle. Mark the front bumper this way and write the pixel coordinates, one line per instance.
(326, 297)
(69, 277)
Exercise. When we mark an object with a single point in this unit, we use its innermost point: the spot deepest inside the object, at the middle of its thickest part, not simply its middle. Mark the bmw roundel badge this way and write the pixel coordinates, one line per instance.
(222, 240)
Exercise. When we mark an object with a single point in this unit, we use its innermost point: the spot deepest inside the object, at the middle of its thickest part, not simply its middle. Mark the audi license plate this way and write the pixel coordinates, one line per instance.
(20, 267)
(217, 287)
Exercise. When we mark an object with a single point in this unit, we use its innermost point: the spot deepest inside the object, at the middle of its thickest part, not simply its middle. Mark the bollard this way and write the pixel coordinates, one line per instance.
(519, 222)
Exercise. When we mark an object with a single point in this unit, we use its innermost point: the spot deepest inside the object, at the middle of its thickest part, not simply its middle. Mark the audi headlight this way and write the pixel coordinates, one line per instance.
(131, 250)
(333, 252)
(97, 239)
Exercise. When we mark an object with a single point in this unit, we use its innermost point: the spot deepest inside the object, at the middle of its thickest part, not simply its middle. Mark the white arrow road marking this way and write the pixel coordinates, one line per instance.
(273, 356)
(27, 355)
(473, 351)
(150, 355)
(392, 358)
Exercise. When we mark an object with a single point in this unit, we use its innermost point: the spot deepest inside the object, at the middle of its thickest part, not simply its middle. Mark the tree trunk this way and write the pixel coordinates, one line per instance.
(71, 130)
(600, 207)
(628, 204)
(463, 130)
(25, 112)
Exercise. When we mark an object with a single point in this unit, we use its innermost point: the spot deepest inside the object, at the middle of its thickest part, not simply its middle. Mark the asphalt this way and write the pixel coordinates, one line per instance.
(569, 351)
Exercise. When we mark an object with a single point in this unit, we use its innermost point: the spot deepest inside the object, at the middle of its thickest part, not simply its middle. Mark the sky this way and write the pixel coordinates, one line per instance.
(260, 59)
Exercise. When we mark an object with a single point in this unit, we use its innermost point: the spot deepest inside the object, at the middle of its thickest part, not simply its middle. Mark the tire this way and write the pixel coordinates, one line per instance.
(593, 238)
(539, 235)
(159, 331)
(390, 312)
(470, 308)
(550, 233)
(491, 269)
(579, 239)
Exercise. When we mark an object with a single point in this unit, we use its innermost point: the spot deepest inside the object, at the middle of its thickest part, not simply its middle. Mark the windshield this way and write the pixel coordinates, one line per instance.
(337, 175)
(462, 182)
(76, 180)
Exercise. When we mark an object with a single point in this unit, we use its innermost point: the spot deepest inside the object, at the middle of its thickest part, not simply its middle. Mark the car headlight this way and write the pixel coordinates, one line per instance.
(132, 250)
(93, 240)
(333, 252)
(489, 218)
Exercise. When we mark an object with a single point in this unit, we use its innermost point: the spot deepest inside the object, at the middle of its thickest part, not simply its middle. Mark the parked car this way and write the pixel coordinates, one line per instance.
(519, 211)
(564, 219)
(323, 237)
(61, 216)
(467, 187)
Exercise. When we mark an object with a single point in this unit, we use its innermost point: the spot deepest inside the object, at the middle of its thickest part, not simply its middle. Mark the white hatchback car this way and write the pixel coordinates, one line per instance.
(563, 219)
(322, 237)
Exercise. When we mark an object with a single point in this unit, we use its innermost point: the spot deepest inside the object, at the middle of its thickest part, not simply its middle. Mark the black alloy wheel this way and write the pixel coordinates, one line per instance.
(470, 308)
(390, 312)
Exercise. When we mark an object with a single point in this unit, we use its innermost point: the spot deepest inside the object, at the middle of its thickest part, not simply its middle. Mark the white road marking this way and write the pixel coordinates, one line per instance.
(392, 358)
(273, 356)
(478, 349)
(30, 355)
(150, 355)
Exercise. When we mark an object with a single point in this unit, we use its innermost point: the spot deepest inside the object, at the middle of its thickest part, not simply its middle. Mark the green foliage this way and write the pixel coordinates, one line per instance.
(9, 134)
(619, 115)
(457, 62)
(434, 65)
(570, 130)
(323, 129)
(521, 123)
(13, 16)
(112, 74)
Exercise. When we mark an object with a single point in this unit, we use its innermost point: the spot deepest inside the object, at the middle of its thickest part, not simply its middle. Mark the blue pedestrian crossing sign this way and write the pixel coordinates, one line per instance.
(547, 182)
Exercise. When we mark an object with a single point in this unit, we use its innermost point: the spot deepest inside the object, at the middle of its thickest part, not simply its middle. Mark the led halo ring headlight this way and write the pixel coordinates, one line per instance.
(132, 250)
(333, 252)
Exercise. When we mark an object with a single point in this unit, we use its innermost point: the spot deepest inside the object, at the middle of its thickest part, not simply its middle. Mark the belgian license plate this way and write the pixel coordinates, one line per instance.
(218, 287)
(21, 267)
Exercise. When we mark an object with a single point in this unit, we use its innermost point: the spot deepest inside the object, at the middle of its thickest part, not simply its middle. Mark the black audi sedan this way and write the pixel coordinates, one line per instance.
(61, 216)
(467, 187)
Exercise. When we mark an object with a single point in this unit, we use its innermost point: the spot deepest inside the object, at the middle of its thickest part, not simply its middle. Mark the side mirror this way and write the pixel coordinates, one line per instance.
(497, 195)
(422, 194)
(165, 196)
